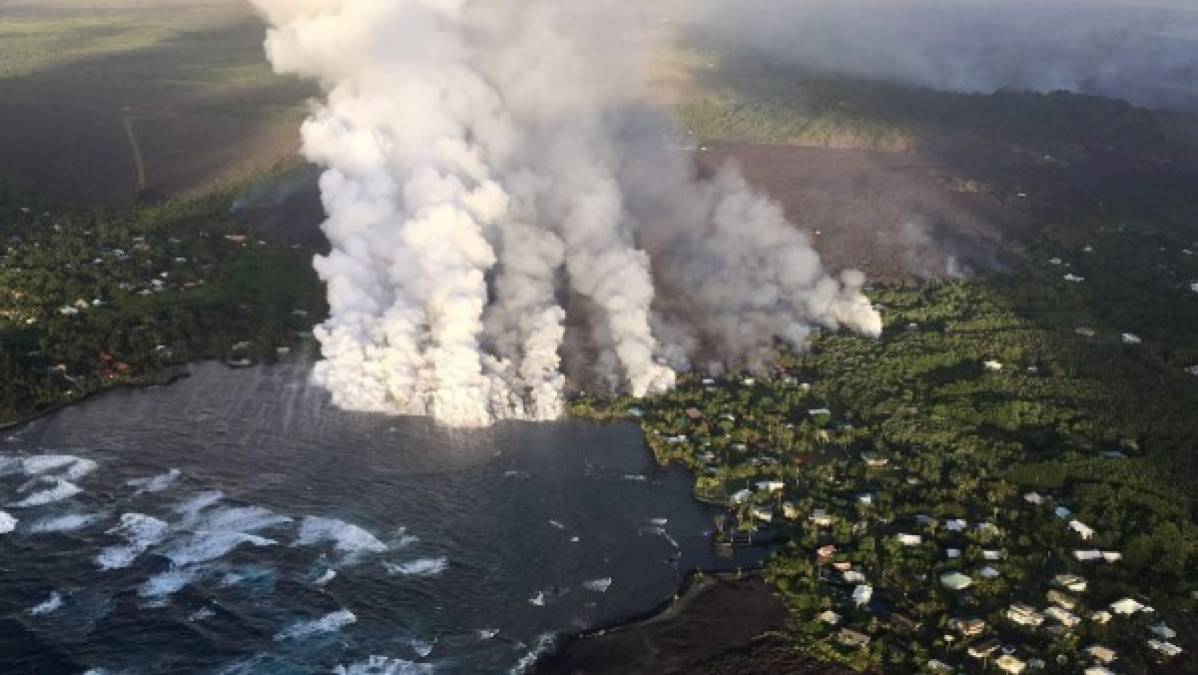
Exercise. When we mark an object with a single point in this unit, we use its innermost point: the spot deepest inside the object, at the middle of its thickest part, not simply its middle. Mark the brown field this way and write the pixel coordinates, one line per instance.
(86, 87)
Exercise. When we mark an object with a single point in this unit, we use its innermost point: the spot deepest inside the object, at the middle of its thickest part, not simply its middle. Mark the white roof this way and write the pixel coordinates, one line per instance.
(863, 593)
(1126, 606)
(955, 581)
(909, 539)
(955, 525)
(1081, 528)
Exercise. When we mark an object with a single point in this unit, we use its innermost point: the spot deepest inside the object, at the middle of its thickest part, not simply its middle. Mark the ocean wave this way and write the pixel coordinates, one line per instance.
(422, 648)
(152, 484)
(190, 508)
(7, 523)
(239, 519)
(39, 464)
(140, 531)
(48, 605)
(421, 567)
(326, 624)
(347, 538)
(68, 523)
(206, 545)
(543, 644)
(382, 665)
(63, 489)
(163, 585)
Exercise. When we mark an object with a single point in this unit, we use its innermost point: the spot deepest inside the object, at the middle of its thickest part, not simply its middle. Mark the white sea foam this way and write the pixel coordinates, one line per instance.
(80, 469)
(526, 662)
(382, 665)
(325, 578)
(205, 545)
(635, 476)
(7, 523)
(537, 600)
(347, 538)
(140, 531)
(201, 614)
(325, 624)
(487, 633)
(422, 567)
(557, 524)
(151, 484)
(40, 464)
(422, 648)
(63, 489)
(68, 523)
(660, 522)
(239, 519)
(597, 585)
(190, 508)
(48, 605)
(163, 585)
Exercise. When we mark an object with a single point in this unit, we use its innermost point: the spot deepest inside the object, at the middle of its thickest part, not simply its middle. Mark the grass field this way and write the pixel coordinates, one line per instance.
(87, 86)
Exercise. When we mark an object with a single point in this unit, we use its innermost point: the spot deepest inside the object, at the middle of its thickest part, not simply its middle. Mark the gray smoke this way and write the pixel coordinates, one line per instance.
(1144, 51)
(499, 194)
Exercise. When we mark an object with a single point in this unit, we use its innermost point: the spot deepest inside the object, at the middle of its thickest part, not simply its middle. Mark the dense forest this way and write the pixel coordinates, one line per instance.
(97, 297)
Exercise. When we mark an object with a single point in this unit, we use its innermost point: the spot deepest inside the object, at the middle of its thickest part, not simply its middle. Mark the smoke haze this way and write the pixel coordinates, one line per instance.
(500, 194)
(1144, 51)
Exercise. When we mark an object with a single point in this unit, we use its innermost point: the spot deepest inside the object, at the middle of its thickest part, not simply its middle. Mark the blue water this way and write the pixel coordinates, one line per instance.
(235, 523)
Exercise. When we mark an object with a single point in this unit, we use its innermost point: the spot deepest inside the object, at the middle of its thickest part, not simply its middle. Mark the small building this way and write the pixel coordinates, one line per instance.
(967, 627)
(955, 525)
(1034, 498)
(874, 460)
(1009, 663)
(1073, 278)
(988, 572)
(983, 650)
(790, 511)
(1070, 582)
(825, 552)
(1063, 512)
(741, 496)
(1101, 617)
(1084, 531)
(1111, 556)
(1131, 339)
(952, 553)
(1167, 648)
(762, 514)
(770, 486)
(1127, 607)
(852, 638)
(819, 412)
(909, 539)
(829, 617)
(1163, 631)
(955, 581)
(992, 555)
(852, 576)
(1102, 654)
(1098, 670)
(865, 498)
(1092, 555)
(1062, 616)
(842, 566)
(1061, 600)
(993, 366)
(1024, 615)
(938, 666)
(862, 594)
(820, 518)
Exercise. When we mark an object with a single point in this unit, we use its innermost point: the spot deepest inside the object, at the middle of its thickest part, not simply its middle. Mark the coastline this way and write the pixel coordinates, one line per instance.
(691, 633)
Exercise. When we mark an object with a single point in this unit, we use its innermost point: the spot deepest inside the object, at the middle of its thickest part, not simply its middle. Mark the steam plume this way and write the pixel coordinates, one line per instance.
(495, 180)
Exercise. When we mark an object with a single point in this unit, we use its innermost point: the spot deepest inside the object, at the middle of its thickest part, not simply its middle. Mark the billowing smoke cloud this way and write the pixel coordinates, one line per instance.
(499, 194)
(1144, 51)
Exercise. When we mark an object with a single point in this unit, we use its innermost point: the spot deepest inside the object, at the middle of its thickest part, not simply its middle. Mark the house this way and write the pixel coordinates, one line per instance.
(1163, 631)
(1062, 512)
(770, 486)
(1088, 556)
(1112, 556)
(636, 412)
(829, 617)
(862, 594)
(1033, 498)
(790, 511)
(1131, 339)
(952, 553)
(1009, 663)
(1073, 278)
(853, 577)
(1167, 648)
(817, 412)
(1062, 616)
(825, 552)
(851, 638)
(874, 460)
(993, 366)
(988, 572)
(955, 581)
(983, 650)
(1084, 531)
(762, 514)
(820, 518)
(1128, 606)
(708, 382)
(1071, 582)
(955, 525)
(992, 555)
(741, 496)
(938, 666)
(842, 566)
(909, 539)
(865, 498)
(1024, 615)
(1101, 617)
(967, 627)
(1098, 670)
(1101, 654)
(749, 381)
(1060, 599)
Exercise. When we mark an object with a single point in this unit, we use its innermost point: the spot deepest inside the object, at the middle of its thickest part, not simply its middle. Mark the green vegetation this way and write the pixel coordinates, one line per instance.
(92, 298)
(992, 402)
